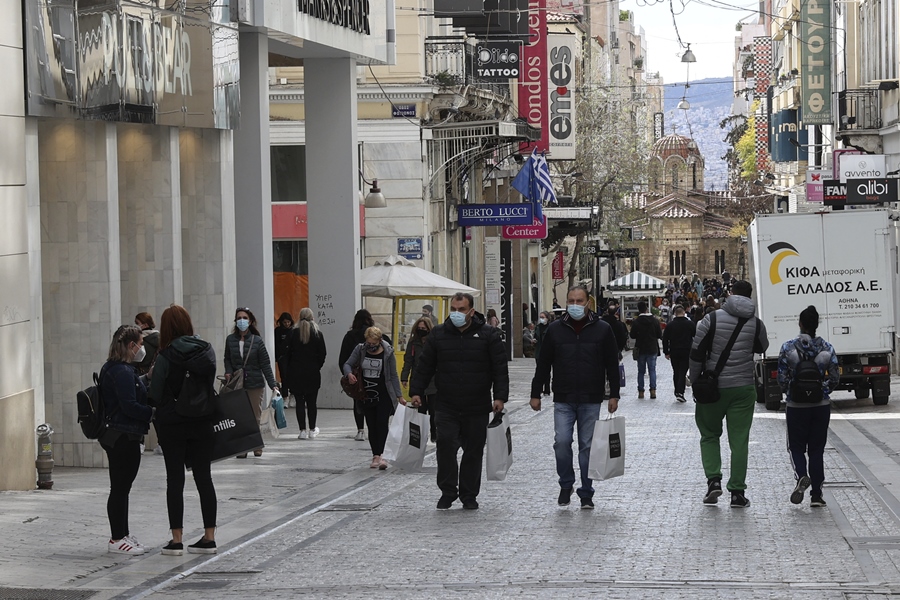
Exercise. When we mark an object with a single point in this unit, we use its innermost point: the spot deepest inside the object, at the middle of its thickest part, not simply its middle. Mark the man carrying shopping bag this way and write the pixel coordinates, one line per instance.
(581, 350)
(467, 358)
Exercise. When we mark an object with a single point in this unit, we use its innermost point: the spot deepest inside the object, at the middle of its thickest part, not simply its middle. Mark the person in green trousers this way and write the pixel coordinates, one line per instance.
(737, 392)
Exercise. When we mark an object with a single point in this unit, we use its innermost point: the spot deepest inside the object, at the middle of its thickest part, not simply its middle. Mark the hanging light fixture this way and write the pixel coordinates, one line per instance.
(688, 56)
(375, 199)
(683, 104)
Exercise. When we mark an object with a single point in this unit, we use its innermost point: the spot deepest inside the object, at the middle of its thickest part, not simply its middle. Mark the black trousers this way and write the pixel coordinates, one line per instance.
(306, 400)
(680, 364)
(124, 461)
(427, 408)
(377, 418)
(188, 443)
(468, 432)
(359, 415)
(807, 433)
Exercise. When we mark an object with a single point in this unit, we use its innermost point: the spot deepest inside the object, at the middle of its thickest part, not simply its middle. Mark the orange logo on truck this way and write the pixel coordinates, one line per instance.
(779, 251)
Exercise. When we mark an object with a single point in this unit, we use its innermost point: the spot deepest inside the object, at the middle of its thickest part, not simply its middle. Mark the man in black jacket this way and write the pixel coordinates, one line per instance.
(611, 318)
(677, 338)
(580, 349)
(646, 333)
(467, 359)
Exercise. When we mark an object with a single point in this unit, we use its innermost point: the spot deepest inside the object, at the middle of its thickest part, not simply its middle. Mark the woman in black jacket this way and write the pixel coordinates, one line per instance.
(282, 339)
(305, 356)
(420, 329)
(185, 440)
(124, 399)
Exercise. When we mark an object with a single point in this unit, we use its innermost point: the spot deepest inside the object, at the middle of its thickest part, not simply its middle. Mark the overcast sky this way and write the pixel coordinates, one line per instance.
(710, 31)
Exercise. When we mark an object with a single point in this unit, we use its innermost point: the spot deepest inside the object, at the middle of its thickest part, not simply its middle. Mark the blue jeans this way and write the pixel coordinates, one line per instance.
(646, 362)
(565, 417)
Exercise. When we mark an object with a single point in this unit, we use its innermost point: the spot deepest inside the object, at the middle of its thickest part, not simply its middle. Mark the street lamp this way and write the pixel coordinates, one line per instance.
(683, 104)
(374, 199)
(688, 56)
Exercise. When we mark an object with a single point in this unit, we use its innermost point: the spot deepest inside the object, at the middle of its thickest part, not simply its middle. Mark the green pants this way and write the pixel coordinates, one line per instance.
(735, 406)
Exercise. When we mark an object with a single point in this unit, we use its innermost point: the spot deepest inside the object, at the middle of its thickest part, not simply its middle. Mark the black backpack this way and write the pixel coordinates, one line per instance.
(195, 396)
(92, 412)
(807, 380)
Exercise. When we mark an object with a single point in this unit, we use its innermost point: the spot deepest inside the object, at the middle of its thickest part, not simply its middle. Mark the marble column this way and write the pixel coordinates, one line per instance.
(332, 167)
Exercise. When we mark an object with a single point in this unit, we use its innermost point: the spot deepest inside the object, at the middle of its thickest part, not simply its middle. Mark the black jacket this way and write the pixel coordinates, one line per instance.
(469, 368)
(678, 335)
(579, 361)
(646, 333)
(124, 398)
(619, 330)
(282, 339)
(304, 371)
(186, 352)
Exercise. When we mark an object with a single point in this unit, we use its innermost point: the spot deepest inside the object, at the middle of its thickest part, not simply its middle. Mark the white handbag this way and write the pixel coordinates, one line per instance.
(607, 459)
(407, 439)
(499, 447)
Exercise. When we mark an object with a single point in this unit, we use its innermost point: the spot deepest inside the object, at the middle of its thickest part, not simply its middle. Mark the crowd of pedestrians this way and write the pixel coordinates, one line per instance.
(457, 373)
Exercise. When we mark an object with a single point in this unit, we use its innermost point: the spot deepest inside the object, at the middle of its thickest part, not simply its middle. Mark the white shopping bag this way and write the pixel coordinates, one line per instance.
(407, 439)
(499, 448)
(607, 449)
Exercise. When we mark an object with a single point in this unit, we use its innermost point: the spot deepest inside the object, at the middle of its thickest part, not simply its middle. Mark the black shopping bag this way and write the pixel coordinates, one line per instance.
(235, 428)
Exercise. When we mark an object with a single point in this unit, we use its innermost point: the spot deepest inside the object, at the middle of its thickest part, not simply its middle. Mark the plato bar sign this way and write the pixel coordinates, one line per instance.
(536, 231)
(484, 215)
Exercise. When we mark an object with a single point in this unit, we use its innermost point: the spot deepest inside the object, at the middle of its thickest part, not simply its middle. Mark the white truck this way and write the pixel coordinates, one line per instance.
(841, 262)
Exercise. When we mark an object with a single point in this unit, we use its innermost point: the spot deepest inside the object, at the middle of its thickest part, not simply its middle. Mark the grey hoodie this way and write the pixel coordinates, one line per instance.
(753, 339)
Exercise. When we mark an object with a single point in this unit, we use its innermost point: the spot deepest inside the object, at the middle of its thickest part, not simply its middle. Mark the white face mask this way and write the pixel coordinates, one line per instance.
(140, 355)
(542, 321)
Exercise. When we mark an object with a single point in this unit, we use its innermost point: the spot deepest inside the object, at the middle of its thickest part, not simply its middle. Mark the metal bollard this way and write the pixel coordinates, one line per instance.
(44, 461)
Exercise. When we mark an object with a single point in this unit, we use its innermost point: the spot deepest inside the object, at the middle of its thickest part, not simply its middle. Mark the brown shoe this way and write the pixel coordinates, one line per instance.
(257, 452)
(640, 394)
(653, 394)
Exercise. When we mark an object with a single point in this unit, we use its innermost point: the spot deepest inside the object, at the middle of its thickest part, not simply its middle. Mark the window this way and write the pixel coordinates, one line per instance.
(288, 173)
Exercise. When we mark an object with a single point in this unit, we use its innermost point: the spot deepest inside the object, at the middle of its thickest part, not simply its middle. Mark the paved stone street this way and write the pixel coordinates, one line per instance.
(309, 519)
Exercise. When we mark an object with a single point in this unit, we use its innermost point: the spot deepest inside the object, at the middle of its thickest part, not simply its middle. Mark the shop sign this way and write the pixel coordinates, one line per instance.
(562, 59)
(350, 14)
(536, 231)
(533, 79)
(483, 215)
(815, 182)
(871, 191)
(834, 192)
(497, 61)
(815, 61)
(558, 266)
(862, 166)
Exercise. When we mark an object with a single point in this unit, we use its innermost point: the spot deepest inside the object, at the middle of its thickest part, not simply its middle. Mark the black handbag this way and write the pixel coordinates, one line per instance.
(706, 386)
(235, 428)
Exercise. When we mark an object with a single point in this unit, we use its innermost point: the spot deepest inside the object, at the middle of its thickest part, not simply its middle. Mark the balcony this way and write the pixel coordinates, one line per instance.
(859, 110)
(448, 61)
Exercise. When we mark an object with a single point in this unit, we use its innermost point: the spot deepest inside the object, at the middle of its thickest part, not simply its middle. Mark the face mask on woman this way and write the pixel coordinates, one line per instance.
(421, 332)
(542, 321)
(373, 347)
(243, 324)
(140, 355)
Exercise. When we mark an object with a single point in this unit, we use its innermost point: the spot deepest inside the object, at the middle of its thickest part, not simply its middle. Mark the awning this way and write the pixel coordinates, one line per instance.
(395, 276)
(636, 282)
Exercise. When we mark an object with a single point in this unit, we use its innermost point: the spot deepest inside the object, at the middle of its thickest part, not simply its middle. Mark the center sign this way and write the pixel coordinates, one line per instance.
(536, 231)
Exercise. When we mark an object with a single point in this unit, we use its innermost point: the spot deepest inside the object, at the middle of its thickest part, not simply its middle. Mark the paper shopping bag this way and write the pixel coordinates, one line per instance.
(235, 430)
(499, 447)
(407, 439)
(607, 459)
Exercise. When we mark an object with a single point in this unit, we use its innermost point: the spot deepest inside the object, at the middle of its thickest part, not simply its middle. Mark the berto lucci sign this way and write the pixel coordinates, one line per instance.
(483, 215)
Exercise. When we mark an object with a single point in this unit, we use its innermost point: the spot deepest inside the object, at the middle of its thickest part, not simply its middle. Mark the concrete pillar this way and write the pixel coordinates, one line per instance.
(253, 188)
(332, 166)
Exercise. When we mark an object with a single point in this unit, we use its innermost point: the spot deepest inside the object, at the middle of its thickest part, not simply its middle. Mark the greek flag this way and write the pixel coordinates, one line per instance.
(534, 182)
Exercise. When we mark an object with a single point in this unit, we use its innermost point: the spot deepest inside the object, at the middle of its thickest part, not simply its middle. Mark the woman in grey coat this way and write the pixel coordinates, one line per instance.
(379, 372)
(245, 349)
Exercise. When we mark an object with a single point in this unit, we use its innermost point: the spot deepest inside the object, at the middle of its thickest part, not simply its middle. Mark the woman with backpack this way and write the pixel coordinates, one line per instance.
(128, 416)
(304, 356)
(185, 440)
(246, 350)
(807, 372)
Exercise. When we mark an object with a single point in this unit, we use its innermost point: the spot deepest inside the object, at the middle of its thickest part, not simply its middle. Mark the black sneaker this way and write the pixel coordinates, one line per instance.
(713, 491)
(203, 546)
(817, 501)
(680, 398)
(445, 502)
(565, 495)
(797, 494)
(470, 504)
(587, 504)
(739, 500)
(173, 549)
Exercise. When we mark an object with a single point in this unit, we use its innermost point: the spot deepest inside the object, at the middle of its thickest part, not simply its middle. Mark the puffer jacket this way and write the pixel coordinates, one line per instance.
(581, 362)
(186, 352)
(469, 367)
(258, 371)
(753, 339)
(815, 349)
(124, 398)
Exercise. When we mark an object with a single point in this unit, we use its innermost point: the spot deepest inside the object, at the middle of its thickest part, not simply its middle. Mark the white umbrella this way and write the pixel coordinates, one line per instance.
(636, 281)
(395, 276)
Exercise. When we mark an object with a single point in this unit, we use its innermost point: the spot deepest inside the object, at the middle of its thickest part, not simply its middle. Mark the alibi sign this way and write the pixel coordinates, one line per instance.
(871, 191)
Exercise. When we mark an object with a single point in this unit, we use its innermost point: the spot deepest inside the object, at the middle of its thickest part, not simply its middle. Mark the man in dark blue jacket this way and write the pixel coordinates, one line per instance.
(581, 349)
(677, 339)
(467, 359)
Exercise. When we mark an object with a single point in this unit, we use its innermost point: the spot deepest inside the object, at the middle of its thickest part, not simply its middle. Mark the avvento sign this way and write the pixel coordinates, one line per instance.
(497, 61)
(815, 61)
(561, 55)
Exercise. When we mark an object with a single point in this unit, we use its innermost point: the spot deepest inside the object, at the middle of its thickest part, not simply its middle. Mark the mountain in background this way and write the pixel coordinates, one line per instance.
(710, 101)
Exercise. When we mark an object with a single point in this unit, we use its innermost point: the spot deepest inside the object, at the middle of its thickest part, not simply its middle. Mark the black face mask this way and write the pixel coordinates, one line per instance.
(421, 332)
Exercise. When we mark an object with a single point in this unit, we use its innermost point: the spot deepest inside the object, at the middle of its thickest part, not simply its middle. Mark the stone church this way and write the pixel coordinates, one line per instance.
(683, 228)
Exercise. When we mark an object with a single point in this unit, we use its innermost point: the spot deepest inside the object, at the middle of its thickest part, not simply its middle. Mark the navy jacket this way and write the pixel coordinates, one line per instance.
(579, 361)
(469, 368)
(124, 398)
(678, 335)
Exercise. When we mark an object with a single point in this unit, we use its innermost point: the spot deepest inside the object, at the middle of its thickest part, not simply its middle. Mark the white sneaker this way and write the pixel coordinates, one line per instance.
(135, 542)
(125, 546)
(360, 436)
(313, 432)
(304, 435)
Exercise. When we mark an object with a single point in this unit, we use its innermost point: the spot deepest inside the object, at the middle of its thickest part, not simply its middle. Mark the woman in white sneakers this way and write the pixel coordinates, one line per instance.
(304, 357)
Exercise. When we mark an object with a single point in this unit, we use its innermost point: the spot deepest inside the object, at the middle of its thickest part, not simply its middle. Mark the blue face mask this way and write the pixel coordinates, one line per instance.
(243, 324)
(576, 311)
(458, 318)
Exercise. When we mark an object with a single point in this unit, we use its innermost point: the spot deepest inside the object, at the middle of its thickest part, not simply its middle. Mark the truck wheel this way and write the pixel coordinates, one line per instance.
(861, 393)
(773, 404)
(880, 400)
